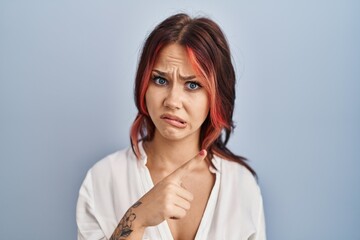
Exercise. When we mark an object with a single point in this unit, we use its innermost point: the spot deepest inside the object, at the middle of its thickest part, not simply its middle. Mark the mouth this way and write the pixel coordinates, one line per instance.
(174, 120)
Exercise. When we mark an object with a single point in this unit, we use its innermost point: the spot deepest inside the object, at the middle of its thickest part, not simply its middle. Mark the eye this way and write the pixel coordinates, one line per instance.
(193, 85)
(159, 80)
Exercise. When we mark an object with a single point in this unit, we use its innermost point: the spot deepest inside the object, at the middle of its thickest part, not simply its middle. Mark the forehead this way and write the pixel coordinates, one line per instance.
(174, 57)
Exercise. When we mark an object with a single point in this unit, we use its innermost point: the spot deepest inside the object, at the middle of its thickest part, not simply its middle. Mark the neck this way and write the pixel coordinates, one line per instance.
(169, 155)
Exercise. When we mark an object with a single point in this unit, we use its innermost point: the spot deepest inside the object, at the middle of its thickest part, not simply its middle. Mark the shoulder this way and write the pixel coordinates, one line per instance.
(111, 172)
(238, 178)
(239, 201)
(120, 158)
(115, 165)
(237, 170)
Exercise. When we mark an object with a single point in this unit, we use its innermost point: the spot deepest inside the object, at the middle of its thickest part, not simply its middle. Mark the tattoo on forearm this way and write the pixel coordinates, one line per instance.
(124, 229)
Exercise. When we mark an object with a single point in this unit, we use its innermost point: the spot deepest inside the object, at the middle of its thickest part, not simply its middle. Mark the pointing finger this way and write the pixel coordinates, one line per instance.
(187, 167)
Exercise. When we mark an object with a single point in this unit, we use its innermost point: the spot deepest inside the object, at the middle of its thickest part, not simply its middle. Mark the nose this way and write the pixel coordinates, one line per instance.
(173, 99)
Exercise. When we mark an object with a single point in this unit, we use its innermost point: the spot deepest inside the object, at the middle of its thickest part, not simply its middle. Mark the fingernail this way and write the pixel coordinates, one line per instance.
(202, 152)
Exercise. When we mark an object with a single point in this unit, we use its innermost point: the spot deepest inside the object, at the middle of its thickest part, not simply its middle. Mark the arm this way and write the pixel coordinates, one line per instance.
(128, 226)
(88, 225)
(166, 200)
(261, 231)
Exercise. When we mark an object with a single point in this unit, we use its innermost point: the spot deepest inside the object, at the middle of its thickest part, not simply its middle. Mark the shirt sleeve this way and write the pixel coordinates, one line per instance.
(87, 222)
(261, 231)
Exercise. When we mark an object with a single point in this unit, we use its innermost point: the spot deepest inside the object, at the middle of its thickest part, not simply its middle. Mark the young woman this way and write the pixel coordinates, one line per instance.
(178, 180)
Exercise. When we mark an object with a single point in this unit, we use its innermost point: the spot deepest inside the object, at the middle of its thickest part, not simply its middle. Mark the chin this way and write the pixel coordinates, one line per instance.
(172, 135)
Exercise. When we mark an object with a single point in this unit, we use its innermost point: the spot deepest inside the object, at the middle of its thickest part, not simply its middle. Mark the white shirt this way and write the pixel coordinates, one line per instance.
(234, 209)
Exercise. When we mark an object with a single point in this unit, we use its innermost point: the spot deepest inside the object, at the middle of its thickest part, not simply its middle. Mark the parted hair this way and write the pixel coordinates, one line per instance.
(209, 54)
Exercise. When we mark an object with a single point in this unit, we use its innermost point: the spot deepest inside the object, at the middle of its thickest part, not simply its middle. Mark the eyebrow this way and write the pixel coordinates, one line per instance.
(184, 78)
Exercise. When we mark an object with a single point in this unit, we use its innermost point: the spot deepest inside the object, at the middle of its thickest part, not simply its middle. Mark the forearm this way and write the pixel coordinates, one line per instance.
(129, 228)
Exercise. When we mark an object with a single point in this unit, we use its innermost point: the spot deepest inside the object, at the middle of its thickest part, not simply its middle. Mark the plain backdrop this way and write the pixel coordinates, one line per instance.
(66, 101)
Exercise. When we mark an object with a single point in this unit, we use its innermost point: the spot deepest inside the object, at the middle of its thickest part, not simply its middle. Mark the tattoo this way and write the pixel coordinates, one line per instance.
(123, 230)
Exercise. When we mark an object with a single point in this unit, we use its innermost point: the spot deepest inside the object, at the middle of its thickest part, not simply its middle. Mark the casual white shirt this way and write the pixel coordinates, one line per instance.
(234, 209)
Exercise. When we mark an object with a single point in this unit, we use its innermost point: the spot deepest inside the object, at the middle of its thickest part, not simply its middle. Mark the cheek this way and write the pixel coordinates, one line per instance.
(151, 99)
(201, 108)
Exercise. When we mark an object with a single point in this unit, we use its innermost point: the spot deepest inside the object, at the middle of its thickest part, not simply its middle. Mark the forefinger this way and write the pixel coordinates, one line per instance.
(185, 194)
(187, 167)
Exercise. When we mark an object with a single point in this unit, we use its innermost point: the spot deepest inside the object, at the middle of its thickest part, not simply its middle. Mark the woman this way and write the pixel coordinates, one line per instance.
(179, 180)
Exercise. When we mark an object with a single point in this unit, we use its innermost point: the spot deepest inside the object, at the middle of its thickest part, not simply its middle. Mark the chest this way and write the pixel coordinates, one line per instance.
(200, 186)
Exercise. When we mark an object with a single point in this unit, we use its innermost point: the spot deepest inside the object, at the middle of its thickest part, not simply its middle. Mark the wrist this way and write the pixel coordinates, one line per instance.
(137, 224)
(130, 226)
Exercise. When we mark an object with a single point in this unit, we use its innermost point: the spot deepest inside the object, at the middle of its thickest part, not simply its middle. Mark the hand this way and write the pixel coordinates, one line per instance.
(167, 199)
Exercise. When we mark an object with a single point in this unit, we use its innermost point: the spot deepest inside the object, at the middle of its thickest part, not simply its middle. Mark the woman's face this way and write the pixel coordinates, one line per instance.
(175, 99)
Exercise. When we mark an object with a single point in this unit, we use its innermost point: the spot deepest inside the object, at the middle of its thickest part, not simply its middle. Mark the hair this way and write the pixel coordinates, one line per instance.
(210, 57)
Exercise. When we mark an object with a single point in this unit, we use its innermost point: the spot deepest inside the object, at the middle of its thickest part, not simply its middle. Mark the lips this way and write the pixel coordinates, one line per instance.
(174, 120)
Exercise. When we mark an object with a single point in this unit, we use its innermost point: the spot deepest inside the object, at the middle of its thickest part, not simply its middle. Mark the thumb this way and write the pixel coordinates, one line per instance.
(188, 167)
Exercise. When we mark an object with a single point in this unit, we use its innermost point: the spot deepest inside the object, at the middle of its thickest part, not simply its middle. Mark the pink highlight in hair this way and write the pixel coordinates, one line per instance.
(216, 114)
(141, 122)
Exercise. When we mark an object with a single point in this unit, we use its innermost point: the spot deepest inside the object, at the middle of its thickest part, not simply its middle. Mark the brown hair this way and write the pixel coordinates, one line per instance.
(209, 53)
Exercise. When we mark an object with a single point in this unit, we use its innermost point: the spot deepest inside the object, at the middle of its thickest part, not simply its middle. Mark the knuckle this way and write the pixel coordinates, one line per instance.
(182, 213)
(167, 198)
(190, 196)
(171, 187)
(167, 208)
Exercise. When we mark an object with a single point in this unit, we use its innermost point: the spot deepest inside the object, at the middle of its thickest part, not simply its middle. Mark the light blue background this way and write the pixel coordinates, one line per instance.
(67, 70)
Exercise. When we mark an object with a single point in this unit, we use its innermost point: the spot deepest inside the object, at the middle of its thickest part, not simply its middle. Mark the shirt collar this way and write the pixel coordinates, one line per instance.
(143, 156)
